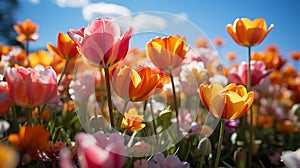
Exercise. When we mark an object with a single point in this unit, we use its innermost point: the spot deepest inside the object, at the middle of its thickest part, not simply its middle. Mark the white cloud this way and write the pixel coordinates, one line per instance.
(143, 22)
(34, 1)
(123, 16)
(104, 10)
(183, 15)
(71, 3)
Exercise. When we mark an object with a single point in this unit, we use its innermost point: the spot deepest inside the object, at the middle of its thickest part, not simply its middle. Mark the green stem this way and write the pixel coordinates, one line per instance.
(249, 70)
(109, 101)
(153, 120)
(63, 71)
(29, 117)
(120, 119)
(175, 101)
(220, 143)
(15, 126)
(251, 110)
(27, 53)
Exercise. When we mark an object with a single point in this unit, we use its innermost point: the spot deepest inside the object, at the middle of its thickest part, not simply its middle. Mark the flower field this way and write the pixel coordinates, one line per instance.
(93, 100)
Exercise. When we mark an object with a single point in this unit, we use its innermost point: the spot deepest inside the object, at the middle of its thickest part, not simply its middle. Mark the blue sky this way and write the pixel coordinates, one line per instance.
(211, 16)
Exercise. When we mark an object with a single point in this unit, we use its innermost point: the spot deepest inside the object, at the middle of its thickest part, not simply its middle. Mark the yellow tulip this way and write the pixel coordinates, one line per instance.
(249, 33)
(166, 53)
(230, 102)
(132, 121)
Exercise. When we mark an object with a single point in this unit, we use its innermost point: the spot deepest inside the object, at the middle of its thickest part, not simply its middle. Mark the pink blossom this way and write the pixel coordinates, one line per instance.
(258, 73)
(101, 150)
(29, 87)
(101, 42)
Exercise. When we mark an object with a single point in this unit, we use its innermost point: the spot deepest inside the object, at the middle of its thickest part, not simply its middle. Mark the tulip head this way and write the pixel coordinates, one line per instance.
(248, 33)
(230, 102)
(166, 53)
(29, 87)
(101, 42)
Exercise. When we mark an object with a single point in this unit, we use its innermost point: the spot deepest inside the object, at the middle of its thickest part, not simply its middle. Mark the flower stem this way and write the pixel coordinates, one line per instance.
(220, 143)
(251, 111)
(108, 93)
(29, 117)
(175, 101)
(153, 120)
(15, 127)
(27, 53)
(63, 72)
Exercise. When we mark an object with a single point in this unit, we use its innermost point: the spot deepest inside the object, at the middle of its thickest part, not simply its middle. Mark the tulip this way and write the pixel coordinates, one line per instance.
(66, 47)
(40, 57)
(134, 85)
(28, 87)
(26, 31)
(248, 33)
(132, 121)
(5, 101)
(239, 74)
(166, 53)
(100, 150)
(101, 42)
(230, 102)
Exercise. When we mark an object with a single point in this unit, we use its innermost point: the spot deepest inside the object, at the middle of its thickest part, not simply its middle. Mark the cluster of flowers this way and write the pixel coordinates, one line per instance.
(45, 101)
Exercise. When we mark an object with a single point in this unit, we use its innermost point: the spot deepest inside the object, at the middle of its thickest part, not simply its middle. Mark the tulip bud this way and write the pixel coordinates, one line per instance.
(166, 116)
(204, 146)
(240, 157)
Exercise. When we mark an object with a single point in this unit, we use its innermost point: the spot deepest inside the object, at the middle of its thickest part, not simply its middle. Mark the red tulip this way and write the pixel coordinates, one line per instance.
(28, 87)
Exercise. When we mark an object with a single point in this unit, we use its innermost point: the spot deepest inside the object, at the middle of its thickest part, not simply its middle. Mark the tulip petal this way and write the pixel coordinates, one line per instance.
(241, 33)
(97, 45)
(103, 26)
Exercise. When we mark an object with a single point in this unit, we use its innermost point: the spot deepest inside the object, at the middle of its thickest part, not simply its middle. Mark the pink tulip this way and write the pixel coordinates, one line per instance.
(238, 74)
(101, 42)
(5, 102)
(101, 150)
(29, 87)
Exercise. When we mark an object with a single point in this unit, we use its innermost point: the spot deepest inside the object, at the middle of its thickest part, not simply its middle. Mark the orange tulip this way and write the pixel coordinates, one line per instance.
(40, 57)
(249, 33)
(26, 31)
(66, 47)
(134, 85)
(295, 55)
(132, 121)
(30, 139)
(166, 53)
(230, 102)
